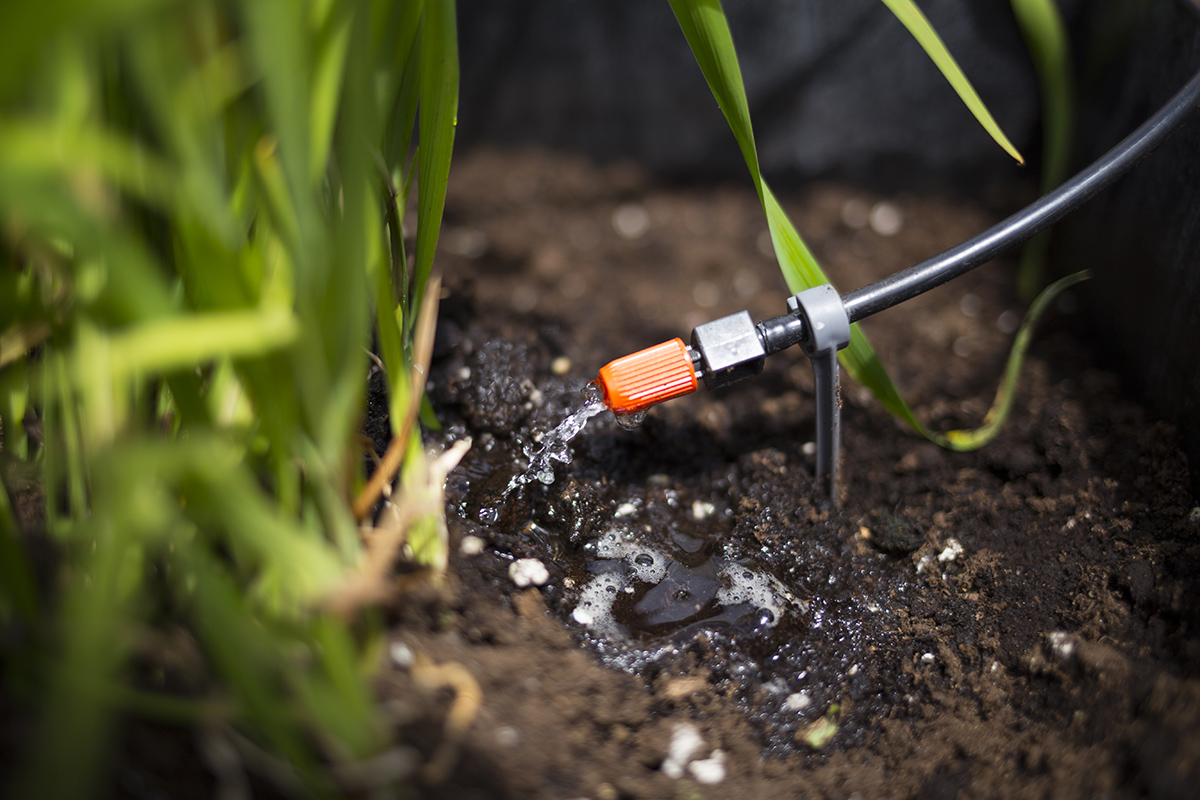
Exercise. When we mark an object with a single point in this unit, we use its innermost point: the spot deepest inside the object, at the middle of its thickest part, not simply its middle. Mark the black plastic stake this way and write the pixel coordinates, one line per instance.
(828, 330)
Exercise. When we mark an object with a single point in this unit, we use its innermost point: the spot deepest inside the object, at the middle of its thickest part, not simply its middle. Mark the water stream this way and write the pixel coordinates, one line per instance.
(555, 444)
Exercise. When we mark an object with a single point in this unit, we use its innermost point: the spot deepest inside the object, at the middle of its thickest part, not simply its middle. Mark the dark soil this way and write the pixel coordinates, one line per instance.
(1019, 621)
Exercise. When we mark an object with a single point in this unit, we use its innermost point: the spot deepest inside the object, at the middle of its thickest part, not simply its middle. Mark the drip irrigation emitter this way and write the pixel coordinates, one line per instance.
(733, 348)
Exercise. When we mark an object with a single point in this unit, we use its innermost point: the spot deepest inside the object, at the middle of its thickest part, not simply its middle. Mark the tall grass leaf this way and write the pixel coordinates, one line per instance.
(973, 439)
(707, 32)
(72, 743)
(181, 342)
(1046, 37)
(438, 118)
(28, 27)
(911, 17)
(329, 60)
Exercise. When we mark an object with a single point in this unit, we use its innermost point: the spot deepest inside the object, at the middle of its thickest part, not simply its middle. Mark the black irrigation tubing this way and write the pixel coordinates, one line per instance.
(1023, 225)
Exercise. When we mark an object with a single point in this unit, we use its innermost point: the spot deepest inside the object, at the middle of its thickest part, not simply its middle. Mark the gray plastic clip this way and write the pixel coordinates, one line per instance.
(828, 330)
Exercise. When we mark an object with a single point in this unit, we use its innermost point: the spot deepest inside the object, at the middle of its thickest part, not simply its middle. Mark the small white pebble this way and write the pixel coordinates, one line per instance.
(524, 298)
(711, 770)
(467, 242)
(808, 448)
(952, 551)
(528, 572)
(886, 219)
(464, 374)
(560, 366)
(1062, 645)
(970, 305)
(471, 545)
(702, 509)
(685, 741)
(625, 509)
(797, 701)
(853, 670)
(583, 616)
(402, 655)
(631, 221)
(928, 658)
(765, 245)
(856, 213)
(507, 736)
(746, 284)
(706, 294)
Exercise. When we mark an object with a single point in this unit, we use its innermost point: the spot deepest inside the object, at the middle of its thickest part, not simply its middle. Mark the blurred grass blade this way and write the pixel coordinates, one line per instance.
(1046, 37)
(182, 342)
(973, 439)
(911, 17)
(438, 118)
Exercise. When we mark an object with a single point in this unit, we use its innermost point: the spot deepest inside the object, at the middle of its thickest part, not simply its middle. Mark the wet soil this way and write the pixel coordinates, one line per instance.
(1019, 621)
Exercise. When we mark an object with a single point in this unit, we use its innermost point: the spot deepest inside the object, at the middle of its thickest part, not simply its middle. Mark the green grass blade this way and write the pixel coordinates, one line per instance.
(911, 17)
(438, 118)
(974, 439)
(182, 342)
(1046, 37)
(707, 31)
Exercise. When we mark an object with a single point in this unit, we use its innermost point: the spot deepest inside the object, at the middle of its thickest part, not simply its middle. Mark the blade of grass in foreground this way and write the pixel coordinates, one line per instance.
(707, 31)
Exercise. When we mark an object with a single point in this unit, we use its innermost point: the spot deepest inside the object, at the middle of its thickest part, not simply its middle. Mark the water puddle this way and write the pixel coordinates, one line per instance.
(640, 591)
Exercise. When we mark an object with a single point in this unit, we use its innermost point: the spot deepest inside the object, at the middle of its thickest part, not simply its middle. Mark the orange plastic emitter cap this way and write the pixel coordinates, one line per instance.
(639, 380)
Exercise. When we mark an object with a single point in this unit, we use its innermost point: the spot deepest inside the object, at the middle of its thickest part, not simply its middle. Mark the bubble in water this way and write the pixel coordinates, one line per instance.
(645, 560)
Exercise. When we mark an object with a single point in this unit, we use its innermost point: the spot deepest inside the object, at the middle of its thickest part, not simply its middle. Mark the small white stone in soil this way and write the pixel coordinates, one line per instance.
(970, 305)
(685, 741)
(953, 550)
(886, 219)
(471, 545)
(706, 294)
(560, 366)
(702, 509)
(856, 213)
(631, 221)
(711, 770)
(625, 509)
(853, 671)
(797, 701)
(507, 736)
(1062, 645)
(583, 616)
(528, 572)
(928, 658)
(808, 448)
(402, 655)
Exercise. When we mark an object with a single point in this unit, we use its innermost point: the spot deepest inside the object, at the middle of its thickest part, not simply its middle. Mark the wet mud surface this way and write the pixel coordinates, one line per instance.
(696, 620)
